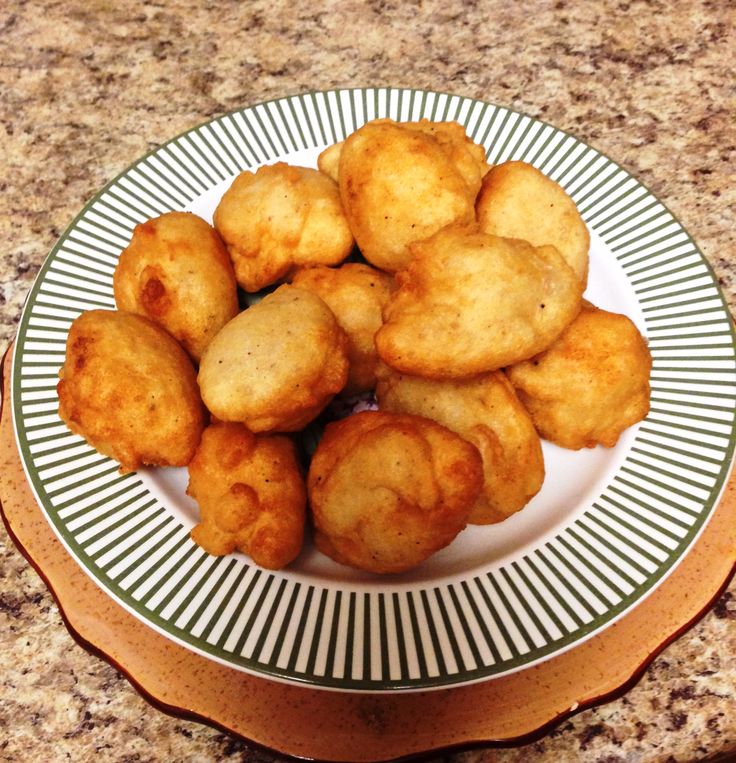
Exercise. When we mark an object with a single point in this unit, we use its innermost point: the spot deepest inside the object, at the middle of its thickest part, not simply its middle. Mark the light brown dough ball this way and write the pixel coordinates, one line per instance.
(278, 218)
(276, 365)
(485, 411)
(519, 201)
(591, 384)
(470, 302)
(177, 272)
(399, 186)
(388, 490)
(468, 157)
(130, 390)
(250, 493)
(356, 294)
(328, 162)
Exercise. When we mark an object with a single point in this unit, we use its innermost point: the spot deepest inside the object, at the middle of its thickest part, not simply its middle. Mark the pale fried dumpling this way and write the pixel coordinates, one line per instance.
(356, 294)
(387, 490)
(251, 495)
(328, 161)
(130, 390)
(278, 218)
(470, 302)
(276, 365)
(468, 157)
(591, 384)
(177, 272)
(398, 186)
(485, 411)
(519, 201)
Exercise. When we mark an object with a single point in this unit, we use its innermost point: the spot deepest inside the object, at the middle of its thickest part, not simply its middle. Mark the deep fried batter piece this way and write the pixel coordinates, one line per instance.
(277, 364)
(519, 201)
(468, 157)
(470, 302)
(398, 186)
(591, 384)
(356, 294)
(328, 162)
(177, 272)
(387, 490)
(278, 218)
(130, 390)
(251, 495)
(485, 411)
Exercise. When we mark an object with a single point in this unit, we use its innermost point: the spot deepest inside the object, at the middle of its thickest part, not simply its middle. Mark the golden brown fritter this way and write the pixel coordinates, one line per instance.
(177, 272)
(399, 186)
(387, 490)
(470, 302)
(519, 201)
(485, 411)
(468, 157)
(591, 384)
(328, 162)
(277, 364)
(130, 390)
(278, 218)
(251, 495)
(356, 294)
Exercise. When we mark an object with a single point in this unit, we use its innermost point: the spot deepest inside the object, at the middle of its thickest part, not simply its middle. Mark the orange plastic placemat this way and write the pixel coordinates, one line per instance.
(341, 726)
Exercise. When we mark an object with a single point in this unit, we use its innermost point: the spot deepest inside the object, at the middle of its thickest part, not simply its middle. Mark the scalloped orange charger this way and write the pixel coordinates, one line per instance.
(336, 725)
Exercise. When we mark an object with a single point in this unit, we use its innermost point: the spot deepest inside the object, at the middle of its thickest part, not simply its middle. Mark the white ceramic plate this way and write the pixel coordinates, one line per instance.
(607, 526)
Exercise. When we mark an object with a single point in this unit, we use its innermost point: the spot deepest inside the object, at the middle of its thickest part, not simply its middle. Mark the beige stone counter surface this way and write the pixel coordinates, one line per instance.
(86, 87)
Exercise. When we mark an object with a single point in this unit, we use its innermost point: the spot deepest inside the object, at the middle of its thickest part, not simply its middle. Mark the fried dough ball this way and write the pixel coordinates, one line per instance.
(251, 495)
(328, 162)
(485, 411)
(177, 272)
(388, 490)
(276, 365)
(356, 294)
(470, 302)
(468, 157)
(280, 217)
(519, 201)
(130, 390)
(399, 186)
(591, 384)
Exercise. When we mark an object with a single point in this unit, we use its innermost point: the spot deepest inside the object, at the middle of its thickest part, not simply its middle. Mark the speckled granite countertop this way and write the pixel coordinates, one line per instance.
(89, 86)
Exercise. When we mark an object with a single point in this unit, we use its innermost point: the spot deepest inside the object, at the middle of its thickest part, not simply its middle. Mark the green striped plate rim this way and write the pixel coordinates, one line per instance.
(606, 528)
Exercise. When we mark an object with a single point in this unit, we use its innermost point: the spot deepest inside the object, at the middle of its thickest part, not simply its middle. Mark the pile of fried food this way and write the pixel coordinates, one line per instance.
(464, 316)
